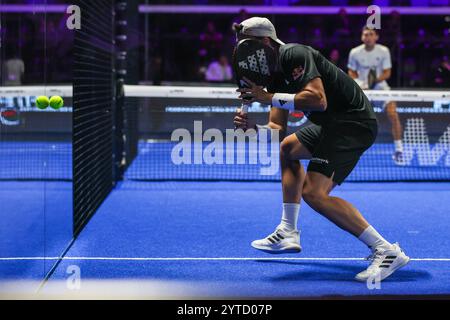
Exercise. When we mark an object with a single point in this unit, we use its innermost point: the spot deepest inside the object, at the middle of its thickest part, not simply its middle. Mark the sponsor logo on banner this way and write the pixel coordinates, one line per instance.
(297, 72)
(9, 116)
(417, 145)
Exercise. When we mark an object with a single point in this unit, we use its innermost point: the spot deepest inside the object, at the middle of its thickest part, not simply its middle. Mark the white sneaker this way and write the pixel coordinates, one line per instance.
(398, 158)
(384, 263)
(280, 241)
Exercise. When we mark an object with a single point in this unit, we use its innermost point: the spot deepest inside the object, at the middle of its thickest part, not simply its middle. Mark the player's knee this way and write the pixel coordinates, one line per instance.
(285, 149)
(313, 197)
(282, 129)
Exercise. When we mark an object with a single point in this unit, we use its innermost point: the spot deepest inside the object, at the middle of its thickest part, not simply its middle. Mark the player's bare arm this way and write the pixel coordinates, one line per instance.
(353, 74)
(385, 75)
(311, 98)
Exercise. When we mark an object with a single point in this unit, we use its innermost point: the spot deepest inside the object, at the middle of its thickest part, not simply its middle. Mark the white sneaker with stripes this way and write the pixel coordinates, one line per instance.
(384, 263)
(280, 241)
(398, 158)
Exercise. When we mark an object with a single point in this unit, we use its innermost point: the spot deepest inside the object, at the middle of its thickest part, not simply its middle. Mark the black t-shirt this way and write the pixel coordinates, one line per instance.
(345, 99)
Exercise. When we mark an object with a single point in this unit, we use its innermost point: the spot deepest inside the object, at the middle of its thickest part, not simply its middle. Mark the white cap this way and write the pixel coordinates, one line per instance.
(259, 27)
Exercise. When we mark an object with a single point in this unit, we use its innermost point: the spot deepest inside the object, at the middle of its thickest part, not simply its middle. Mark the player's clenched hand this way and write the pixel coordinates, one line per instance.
(255, 93)
(241, 121)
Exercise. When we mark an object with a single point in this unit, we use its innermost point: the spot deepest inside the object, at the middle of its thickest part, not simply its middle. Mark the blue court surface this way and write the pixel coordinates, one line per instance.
(192, 238)
(36, 219)
(197, 235)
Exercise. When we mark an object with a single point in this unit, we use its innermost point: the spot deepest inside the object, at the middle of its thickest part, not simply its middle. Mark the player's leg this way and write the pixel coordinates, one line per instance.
(286, 237)
(335, 156)
(394, 119)
(292, 173)
(386, 257)
(292, 179)
(294, 148)
(333, 160)
(396, 128)
(316, 193)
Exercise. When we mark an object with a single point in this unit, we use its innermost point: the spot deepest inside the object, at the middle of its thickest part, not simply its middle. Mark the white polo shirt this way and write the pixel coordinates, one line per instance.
(13, 71)
(361, 61)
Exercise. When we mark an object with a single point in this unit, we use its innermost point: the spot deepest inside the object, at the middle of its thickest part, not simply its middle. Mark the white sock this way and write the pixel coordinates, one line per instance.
(373, 239)
(290, 216)
(398, 145)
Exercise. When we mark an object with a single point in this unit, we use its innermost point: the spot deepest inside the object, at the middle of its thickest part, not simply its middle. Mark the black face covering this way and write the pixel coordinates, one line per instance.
(254, 60)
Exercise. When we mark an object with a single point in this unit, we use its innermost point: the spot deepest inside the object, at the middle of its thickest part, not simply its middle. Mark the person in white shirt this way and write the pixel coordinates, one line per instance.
(369, 64)
(219, 70)
(13, 70)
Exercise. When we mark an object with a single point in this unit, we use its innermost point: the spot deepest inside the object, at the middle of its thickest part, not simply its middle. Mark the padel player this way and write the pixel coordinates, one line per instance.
(370, 65)
(343, 127)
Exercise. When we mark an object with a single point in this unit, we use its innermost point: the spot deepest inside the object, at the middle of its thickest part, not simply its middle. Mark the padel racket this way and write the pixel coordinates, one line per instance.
(255, 61)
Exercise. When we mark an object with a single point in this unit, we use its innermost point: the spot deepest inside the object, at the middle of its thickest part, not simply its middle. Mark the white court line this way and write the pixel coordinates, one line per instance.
(202, 259)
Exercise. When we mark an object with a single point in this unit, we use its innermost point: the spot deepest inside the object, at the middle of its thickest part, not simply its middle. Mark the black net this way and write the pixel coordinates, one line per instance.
(93, 108)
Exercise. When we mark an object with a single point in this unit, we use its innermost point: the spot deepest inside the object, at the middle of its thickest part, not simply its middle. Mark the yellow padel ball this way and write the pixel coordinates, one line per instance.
(56, 102)
(42, 102)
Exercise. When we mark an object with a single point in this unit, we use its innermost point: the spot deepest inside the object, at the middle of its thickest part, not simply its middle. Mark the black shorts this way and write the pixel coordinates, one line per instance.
(337, 147)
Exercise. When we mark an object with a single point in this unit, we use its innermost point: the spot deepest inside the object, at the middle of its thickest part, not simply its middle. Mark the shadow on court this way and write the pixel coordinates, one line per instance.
(332, 271)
